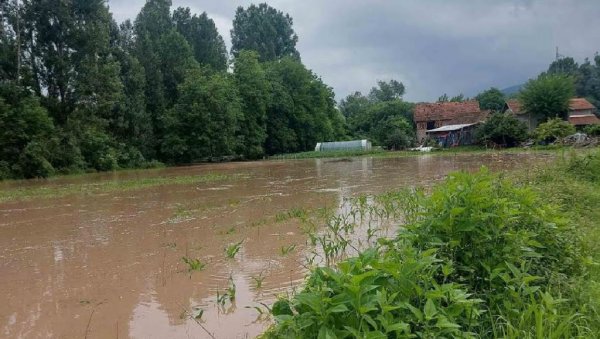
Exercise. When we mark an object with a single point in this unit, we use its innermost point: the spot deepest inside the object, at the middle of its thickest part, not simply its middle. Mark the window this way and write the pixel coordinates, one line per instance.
(430, 125)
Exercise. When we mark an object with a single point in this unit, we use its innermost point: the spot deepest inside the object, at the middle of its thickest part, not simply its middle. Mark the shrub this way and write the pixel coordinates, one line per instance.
(380, 294)
(501, 129)
(33, 162)
(503, 241)
(592, 130)
(552, 130)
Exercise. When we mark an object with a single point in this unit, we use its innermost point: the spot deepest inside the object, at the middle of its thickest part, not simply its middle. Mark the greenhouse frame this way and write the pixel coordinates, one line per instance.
(352, 145)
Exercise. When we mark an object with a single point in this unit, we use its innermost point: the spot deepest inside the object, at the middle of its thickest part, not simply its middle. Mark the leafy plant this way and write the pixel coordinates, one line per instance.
(285, 250)
(258, 280)
(193, 264)
(552, 130)
(233, 249)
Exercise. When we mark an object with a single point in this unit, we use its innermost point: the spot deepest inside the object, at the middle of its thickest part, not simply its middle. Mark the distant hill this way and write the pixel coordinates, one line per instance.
(512, 89)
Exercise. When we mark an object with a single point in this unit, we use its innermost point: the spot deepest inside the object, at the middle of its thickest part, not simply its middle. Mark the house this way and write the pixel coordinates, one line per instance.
(453, 135)
(429, 116)
(581, 113)
(513, 106)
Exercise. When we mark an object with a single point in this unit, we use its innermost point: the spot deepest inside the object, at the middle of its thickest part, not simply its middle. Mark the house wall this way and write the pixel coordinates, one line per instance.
(529, 120)
(581, 112)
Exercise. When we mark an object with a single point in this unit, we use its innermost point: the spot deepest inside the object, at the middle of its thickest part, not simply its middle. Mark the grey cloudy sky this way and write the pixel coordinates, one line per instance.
(432, 46)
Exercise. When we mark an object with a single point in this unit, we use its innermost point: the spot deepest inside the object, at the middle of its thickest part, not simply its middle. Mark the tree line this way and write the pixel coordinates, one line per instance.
(80, 92)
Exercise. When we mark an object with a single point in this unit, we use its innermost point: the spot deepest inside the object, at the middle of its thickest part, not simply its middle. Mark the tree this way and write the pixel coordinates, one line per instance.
(265, 30)
(501, 129)
(457, 98)
(564, 66)
(548, 96)
(25, 134)
(203, 123)
(394, 132)
(552, 130)
(381, 115)
(387, 91)
(201, 34)
(153, 21)
(491, 99)
(301, 110)
(252, 87)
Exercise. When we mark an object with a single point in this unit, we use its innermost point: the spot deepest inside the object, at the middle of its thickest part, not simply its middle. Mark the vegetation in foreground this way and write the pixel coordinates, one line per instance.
(480, 256)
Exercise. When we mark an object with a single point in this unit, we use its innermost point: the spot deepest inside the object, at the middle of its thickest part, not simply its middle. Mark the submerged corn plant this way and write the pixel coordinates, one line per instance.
(193, 264)
(233, 249)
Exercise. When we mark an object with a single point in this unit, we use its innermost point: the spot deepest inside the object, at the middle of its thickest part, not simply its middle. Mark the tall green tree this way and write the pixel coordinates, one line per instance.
(252, 86)
(548, 96)
(131, 123)
(382, 116)
(202, 35)
(265, 30)
(151, 24)
(25, 132)
(203, 123)
(301, 110)
(387, 91)
(492, 99)
(564, 66)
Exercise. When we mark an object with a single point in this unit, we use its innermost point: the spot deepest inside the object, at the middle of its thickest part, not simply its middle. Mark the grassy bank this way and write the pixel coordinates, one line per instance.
(393, 154)
(106, 186)
(480, 256)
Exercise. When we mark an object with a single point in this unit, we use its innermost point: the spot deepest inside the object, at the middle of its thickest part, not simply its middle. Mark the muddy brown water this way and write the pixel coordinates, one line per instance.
(109, 265)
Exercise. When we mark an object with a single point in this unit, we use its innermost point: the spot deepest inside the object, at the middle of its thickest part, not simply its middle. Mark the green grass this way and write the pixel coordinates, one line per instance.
(379, 153)
(107, 186)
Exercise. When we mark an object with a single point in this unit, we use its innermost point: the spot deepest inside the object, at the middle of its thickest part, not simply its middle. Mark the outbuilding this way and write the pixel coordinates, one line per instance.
(453, 135)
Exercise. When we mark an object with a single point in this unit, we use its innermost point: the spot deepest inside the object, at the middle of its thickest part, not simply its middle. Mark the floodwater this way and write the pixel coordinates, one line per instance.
(109, 265)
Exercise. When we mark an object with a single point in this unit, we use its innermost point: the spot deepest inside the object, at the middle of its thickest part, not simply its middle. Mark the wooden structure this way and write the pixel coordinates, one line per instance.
(429, 116)
(453, 135)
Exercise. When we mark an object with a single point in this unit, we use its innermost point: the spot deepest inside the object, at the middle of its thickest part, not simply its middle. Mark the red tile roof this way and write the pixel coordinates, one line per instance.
(579, 120)
(515, 106)
(577, 104)
(457, 112)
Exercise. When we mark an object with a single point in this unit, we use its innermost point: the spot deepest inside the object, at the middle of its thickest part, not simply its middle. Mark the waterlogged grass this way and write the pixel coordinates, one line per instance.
(27, 193)
(379, 153)
(480, 256)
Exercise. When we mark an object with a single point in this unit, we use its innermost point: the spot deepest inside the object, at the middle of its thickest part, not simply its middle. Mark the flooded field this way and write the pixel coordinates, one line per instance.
(101, 262)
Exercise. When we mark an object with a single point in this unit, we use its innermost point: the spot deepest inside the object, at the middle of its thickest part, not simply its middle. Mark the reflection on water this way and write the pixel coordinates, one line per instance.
(109, 265)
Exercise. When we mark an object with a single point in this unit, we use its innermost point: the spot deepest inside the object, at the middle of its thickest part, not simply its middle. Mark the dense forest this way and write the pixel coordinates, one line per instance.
(79, 92)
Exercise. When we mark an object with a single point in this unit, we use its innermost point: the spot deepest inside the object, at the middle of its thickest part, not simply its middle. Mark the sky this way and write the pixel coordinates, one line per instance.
(432, 46)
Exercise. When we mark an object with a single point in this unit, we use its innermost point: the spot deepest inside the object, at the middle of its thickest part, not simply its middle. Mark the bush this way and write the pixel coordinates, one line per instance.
(553, 130)
(501, 129)
(592, 130)
(33, 162)
(494, 232)
(387, 294)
